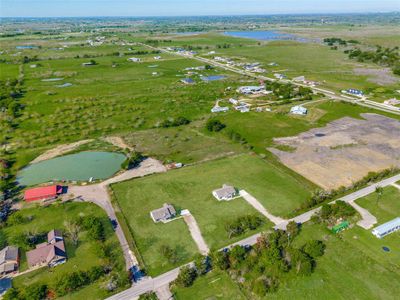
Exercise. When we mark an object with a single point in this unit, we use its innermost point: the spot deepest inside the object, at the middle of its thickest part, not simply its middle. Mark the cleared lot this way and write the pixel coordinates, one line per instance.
(344, 151)
(190, 188)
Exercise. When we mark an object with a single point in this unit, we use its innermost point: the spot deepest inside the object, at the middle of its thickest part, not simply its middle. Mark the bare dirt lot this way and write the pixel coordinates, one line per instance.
(344, 151)
(382, 76)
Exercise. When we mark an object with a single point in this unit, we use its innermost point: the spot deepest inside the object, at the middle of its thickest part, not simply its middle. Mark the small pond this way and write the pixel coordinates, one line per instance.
(265, 35)
(80, 167)
(212, 78)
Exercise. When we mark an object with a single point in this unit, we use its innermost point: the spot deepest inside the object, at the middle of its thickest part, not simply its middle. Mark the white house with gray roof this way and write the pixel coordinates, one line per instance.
(163, 214)
(387, 228)
(227, 192)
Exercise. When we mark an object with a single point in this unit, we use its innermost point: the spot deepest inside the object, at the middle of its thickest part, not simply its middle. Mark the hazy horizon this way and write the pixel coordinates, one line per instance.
(189, 8)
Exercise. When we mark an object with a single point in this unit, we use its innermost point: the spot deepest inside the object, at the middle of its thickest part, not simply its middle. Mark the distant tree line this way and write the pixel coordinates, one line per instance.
(388, 57)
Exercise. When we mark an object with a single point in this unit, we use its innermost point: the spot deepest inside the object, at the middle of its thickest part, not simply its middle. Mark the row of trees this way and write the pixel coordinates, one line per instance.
(179, 121)
(289, 91)
(388, 57)
(243, 224)
(321, 196)
(261, 268)
(63, 285)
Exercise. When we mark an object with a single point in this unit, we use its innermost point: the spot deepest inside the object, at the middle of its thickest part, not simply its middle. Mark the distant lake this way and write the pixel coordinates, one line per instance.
(265, 35)
(212, 78)
(26, 47)
(79, 166)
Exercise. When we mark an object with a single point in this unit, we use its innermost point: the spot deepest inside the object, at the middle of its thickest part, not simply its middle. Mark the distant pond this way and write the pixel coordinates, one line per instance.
(265, 35)
(80, 167)
(212, 77)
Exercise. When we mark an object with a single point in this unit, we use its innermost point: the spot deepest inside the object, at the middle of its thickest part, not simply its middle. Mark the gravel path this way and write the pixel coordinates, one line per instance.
(196, 233)
(98, 194)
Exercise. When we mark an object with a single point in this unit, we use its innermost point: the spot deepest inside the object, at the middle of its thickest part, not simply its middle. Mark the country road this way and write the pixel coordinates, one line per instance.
(328, 93)
(152, 284)
(98, 194)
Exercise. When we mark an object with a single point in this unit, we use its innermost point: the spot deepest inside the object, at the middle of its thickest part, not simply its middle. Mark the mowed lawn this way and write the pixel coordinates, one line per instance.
(190, 188)
(384, 208)
(80, 257)
(214, 285)
(354, 264)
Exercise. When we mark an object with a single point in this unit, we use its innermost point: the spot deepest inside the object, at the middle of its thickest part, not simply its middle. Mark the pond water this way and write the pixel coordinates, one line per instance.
(80, 167)
(265, 35)
(212, 78)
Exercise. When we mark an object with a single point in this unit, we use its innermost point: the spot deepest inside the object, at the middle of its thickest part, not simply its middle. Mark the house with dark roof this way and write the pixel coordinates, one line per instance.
(227, 193)
(9, 260)
(163, 214)
(51, 253)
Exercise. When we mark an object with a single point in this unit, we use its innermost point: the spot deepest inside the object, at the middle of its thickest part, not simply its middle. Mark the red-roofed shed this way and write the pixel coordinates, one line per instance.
(42, 193)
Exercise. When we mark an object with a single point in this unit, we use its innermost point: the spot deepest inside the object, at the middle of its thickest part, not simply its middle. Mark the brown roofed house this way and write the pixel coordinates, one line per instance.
(51, 253)
(9, 260)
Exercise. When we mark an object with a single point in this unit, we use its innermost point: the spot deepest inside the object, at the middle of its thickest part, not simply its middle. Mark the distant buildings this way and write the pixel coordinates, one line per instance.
(392, 101)
(51, 253)
(243, 107)
(43, 193)
(387, 228)
(226, 193)
(216, 109)
(157, 57)
(9, 260)
(279, 76)
(250, 89)
(354, 92)
(87, 64)
(163, 214)
(298, 110)
(134, 59)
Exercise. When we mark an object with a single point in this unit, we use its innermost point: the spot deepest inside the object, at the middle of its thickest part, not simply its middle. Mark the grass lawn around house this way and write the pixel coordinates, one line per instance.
(384, 208)
(214, 285)
(80, 257)
(190, 188)
(353, 264)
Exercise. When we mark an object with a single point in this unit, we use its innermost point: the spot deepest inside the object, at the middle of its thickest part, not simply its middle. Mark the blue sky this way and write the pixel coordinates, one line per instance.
(57, 8)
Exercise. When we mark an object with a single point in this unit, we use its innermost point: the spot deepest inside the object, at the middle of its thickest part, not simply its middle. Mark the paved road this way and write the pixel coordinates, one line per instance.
(328, 93)
(258, 206)
(98, 194)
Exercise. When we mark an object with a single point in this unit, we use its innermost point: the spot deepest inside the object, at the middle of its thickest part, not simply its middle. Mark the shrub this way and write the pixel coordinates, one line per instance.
(214, 125)
(314, 248)
(186, 277)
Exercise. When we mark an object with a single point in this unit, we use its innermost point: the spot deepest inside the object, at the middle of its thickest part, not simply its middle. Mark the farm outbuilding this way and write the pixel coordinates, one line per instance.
(43, 193)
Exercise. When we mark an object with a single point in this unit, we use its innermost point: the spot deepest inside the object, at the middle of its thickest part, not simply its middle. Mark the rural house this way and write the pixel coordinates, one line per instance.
(187, 80)
(227, 193)
(51, 253)
(387, 228)
(298, 110)
(163, 214)
(134, 59)
(9, 260)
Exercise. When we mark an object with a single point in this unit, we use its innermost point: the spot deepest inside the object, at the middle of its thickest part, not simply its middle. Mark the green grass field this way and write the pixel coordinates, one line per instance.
(80, 257)
(384, 208)
(190, 188)
(214, 285)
